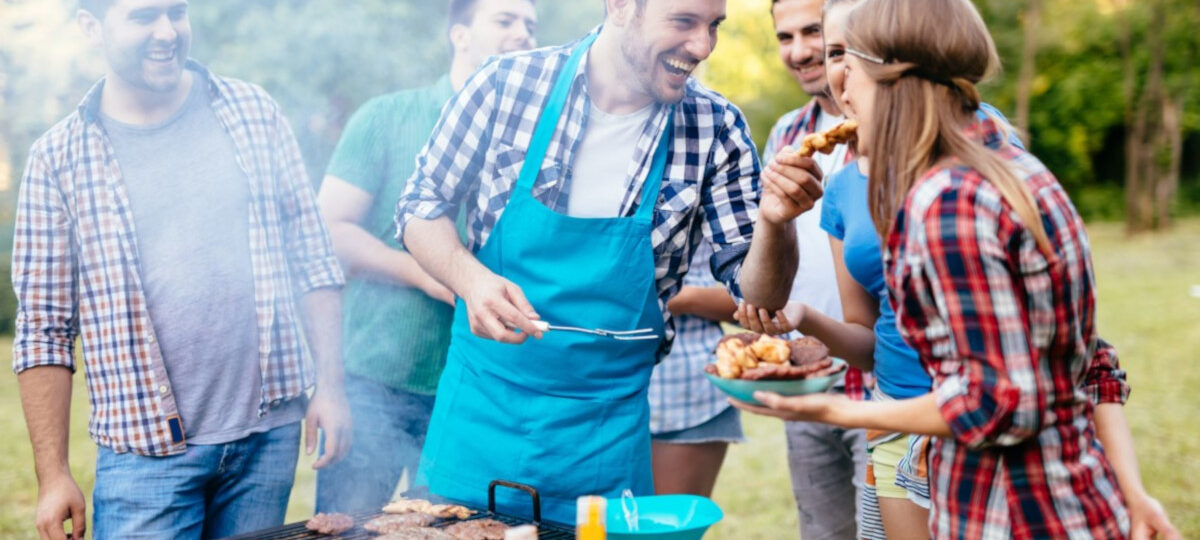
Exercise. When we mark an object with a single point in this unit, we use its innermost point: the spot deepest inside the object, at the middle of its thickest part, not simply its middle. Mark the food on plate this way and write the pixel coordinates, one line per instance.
(404, 506)
(826, 141)
(759, 357)
(417, 533)
(394, 522)
(330, 523)
(477, 529)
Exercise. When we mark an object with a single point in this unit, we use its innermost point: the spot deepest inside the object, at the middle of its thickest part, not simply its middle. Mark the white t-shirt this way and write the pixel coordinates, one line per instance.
(816, 279)
(603, 161)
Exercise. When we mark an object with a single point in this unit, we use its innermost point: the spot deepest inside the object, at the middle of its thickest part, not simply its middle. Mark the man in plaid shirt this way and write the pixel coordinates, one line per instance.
(168, 223)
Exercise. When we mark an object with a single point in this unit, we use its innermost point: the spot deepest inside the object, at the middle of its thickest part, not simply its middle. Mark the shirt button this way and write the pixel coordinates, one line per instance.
(162, 389)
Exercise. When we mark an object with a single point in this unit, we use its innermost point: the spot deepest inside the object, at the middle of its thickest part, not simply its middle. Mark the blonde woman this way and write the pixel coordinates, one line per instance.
(990, 276)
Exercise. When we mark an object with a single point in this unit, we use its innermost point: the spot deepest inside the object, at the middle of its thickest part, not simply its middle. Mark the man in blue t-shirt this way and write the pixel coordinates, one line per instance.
(397, 317)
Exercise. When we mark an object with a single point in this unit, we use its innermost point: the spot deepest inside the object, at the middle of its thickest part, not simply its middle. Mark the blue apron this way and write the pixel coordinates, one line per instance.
(566, 414)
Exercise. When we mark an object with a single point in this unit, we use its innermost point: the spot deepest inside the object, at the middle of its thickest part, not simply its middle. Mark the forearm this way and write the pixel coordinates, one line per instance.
(919, 415)
(1113, 429)
(436, 246)
(770, 265)
(46, 400)
(851, 342)
(365, 256)
(712, 303)
(322, 313)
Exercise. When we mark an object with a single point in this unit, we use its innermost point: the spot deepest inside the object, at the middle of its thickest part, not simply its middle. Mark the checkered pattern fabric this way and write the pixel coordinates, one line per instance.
(789, 131)
(76, 268)
(1008, 335)
(473, 159)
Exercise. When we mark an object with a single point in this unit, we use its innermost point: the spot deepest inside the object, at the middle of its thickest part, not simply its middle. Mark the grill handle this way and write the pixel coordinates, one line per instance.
(533, 494)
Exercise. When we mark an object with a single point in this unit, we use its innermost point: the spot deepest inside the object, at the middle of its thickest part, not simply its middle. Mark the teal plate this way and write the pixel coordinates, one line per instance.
(664, 517)
(744, 390)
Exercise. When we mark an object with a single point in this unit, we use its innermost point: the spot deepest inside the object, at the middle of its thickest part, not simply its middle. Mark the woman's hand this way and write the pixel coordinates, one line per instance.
(809, 408)
(759, 320)
(1149, 520)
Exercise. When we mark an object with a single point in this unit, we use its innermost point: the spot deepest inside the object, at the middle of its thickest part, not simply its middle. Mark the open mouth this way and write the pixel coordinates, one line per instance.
(161, 55)
(679, 67)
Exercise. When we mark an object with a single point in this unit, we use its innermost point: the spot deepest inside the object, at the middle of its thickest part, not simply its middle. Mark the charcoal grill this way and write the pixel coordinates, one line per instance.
(546, 530)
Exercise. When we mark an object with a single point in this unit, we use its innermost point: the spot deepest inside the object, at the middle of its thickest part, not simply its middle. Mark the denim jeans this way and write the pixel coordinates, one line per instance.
(211, 491)
(389, 431)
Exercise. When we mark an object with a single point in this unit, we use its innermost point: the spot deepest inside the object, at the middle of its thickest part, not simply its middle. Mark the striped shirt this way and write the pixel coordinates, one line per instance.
(76, 266)
(473, 159)
(789, 131)
(1009, 338)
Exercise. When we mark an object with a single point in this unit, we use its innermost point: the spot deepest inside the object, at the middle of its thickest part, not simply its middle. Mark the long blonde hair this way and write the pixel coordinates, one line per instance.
(933, 52)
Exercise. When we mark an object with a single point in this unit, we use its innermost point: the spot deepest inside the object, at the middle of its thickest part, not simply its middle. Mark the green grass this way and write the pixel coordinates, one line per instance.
(1146, 310)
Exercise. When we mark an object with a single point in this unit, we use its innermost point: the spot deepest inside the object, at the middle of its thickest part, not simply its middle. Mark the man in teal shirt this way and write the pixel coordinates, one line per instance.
(397, 317)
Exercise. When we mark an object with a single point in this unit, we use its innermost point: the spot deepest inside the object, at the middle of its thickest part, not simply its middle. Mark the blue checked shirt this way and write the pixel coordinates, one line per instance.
(76, 270)
(680, 396)
(475, 155)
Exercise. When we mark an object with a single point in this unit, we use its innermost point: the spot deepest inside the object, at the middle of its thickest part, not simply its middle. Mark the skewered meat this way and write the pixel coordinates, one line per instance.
(826, 141)
(404, 506)
(757, 357)
(330, 523)
(394, 522)
(770, 350)
(477, 529)
(417, 533)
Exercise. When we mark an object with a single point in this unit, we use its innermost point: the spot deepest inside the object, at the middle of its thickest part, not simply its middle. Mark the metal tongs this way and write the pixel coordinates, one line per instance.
(630, 509)
(623, 335)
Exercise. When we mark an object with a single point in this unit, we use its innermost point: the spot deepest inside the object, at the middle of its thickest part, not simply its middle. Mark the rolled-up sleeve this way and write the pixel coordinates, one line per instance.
(959, 305)
(311, 258)
(1104, 380)
(730, 204)
(43, 272)
(449, 164)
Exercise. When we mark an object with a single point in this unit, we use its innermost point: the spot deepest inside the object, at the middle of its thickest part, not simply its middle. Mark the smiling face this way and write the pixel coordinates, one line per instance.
(834, 31)
(666, 40)
(145, 42)
(858, 98)
(798, 31)
(497, 27)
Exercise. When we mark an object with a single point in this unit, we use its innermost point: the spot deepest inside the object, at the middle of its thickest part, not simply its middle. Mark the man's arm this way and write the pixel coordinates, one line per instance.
(344, 206)
(328, 410)
(495, 306)
(44, 281)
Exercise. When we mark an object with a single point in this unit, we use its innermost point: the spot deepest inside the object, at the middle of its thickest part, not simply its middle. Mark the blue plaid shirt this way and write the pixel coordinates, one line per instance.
(473, 158)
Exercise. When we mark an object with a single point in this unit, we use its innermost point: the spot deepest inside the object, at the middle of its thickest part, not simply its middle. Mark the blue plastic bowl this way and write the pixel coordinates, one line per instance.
(664, 517)
(744, 390)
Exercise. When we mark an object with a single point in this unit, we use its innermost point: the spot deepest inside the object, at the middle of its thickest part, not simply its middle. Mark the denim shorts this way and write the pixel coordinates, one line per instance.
(724, 427)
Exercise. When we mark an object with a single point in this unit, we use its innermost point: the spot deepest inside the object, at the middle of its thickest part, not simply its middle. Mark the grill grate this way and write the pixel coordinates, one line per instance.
(546, 531)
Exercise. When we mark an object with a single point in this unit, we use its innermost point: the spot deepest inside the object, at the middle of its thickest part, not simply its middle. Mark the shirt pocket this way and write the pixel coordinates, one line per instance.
(678, 207)
(547, 187)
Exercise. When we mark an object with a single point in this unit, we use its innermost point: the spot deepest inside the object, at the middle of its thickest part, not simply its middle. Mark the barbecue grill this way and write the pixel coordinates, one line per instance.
(546, 530)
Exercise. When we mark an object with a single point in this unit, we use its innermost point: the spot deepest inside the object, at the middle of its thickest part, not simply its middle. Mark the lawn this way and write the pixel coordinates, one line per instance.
(1147, 309)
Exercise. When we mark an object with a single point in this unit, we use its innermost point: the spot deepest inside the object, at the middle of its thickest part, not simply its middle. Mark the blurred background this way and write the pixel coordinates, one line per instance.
(1108, 92)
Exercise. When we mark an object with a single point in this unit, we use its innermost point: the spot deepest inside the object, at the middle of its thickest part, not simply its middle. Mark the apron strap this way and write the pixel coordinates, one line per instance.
(548, 121)
(658, 167)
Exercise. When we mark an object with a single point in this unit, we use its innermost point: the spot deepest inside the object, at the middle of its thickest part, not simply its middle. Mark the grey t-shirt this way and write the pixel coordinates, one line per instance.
(191, 210)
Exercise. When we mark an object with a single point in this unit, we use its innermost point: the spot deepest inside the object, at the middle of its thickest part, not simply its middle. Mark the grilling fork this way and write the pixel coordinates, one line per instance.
(622, 335)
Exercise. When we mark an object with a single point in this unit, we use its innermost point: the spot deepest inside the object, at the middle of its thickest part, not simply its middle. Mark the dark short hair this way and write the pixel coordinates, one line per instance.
(462, 12)
(95, 7)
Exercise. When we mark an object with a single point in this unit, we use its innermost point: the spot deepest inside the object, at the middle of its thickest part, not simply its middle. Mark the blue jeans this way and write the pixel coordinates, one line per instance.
(389, 431)
(211, 491)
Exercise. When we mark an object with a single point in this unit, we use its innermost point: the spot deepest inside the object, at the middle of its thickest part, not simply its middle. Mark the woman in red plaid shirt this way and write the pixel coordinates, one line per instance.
(991, 279)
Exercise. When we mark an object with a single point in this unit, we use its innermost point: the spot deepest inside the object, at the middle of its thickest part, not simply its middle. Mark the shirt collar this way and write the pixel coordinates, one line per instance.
(89, 107)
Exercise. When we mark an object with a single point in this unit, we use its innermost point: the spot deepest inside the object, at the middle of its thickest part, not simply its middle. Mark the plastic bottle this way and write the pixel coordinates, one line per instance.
(589, 517)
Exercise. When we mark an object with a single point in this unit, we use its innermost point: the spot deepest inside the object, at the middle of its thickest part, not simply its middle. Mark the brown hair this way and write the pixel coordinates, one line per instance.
(934, 52)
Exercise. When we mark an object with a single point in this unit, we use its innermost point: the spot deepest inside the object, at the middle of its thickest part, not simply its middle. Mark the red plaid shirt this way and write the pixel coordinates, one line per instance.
(76, 270)
(1009, 338)
(789, 131)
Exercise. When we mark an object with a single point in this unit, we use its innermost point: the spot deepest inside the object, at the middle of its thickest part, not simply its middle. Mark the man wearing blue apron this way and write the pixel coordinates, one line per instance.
(589, 173)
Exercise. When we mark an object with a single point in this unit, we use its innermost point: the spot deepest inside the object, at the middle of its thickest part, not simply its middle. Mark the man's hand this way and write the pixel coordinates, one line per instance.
(1149, 520)
(60, 499)
(809, 408)
(328, 412)
(496, 308)
(759, 320)
(791, 186)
